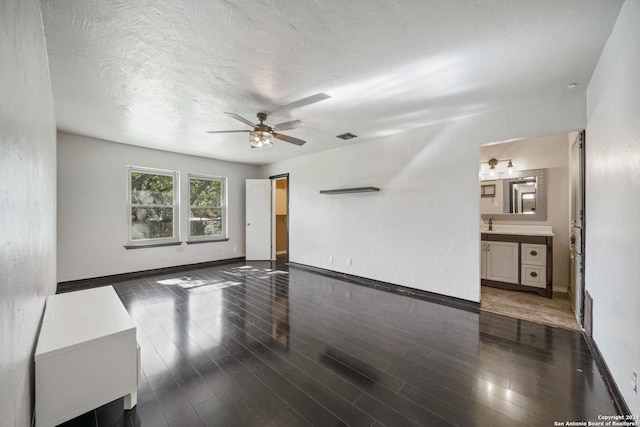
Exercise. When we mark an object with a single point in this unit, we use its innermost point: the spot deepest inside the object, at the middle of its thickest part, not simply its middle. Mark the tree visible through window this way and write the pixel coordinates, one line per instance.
(152, 205)
(206, 207)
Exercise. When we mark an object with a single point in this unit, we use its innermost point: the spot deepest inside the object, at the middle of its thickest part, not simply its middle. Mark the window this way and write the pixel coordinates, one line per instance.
(207, 208)
(152, 206)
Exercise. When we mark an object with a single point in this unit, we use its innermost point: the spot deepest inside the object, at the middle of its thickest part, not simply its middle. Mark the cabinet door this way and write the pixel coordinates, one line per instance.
(502, 261)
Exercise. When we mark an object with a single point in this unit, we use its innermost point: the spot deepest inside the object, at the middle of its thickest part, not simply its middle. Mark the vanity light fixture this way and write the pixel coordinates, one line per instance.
(493, 162)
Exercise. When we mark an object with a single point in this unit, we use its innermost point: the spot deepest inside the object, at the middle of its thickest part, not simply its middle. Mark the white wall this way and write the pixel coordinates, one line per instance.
(92, 208)
(27, 201)
(421, 229)
(551, 153)
(612, 252)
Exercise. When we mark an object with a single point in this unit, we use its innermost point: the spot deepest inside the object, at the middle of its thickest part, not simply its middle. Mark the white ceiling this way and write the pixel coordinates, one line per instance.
(160, 73)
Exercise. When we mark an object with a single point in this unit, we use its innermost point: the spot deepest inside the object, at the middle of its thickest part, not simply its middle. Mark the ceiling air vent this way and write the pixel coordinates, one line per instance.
(346, 136)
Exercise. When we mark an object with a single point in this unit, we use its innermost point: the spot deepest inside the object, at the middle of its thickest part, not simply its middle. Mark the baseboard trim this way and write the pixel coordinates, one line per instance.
(393, 288)
(614, 391)
(95, 282)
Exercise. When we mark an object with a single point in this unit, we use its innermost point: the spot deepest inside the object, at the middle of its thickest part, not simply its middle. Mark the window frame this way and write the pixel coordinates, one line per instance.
(223, 209)
(175, 206)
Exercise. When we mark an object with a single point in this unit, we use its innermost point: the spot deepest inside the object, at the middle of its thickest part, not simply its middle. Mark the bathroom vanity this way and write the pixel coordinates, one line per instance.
(517, 257)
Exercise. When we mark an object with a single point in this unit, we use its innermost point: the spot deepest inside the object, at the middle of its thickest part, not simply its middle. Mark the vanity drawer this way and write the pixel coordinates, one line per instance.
(533, 254)
(534, 275)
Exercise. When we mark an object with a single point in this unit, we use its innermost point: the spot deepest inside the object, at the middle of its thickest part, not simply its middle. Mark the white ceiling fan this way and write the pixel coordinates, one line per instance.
(262, 134)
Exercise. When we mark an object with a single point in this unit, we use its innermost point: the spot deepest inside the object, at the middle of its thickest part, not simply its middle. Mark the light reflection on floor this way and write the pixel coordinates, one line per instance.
(192, 284)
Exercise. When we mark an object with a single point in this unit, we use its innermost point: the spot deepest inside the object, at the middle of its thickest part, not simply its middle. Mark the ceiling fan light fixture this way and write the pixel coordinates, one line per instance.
(260, 139)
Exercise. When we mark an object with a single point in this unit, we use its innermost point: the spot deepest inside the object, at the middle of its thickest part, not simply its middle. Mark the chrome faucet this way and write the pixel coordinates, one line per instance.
(490, 224)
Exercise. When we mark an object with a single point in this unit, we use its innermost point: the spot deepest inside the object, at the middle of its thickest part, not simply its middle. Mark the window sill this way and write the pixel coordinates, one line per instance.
(152, 245)
(195, 242)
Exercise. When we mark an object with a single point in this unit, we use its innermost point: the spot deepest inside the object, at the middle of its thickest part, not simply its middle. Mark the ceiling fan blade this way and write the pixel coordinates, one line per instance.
(227, 131)
(242, 119)
(293, 124)
(289, 139)
(302, 102)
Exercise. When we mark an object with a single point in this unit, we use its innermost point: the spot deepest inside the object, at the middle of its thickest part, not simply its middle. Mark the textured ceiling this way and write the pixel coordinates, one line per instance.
(160, 73)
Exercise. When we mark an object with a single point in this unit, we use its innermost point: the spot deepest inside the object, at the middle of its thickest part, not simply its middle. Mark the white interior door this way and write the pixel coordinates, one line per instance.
(258, 219)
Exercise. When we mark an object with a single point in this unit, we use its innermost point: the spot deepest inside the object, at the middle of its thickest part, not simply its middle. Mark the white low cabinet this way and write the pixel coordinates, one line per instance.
(87, 355)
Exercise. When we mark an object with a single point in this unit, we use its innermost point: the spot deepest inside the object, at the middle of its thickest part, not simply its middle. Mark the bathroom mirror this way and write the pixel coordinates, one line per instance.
(521, 196)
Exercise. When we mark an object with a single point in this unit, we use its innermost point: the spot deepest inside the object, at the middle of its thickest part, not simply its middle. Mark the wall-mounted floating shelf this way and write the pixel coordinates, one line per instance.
(350, 190)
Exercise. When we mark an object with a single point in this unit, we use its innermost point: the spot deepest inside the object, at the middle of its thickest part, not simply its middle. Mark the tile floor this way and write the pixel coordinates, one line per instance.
(530, 306)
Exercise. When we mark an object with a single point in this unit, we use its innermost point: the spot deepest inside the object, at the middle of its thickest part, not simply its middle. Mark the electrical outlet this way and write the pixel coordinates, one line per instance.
(235, 249)
(634, 381)
(330, 259)
(349, 262)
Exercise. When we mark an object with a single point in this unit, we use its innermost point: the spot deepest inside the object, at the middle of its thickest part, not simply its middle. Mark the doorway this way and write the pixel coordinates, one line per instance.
(501, 165)
(280, 218)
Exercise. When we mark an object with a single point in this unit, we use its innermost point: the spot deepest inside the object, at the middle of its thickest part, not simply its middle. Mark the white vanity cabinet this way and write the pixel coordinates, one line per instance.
(510, 260)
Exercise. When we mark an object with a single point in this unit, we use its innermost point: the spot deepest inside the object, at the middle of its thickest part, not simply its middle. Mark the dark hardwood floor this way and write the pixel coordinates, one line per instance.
(260, 345)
